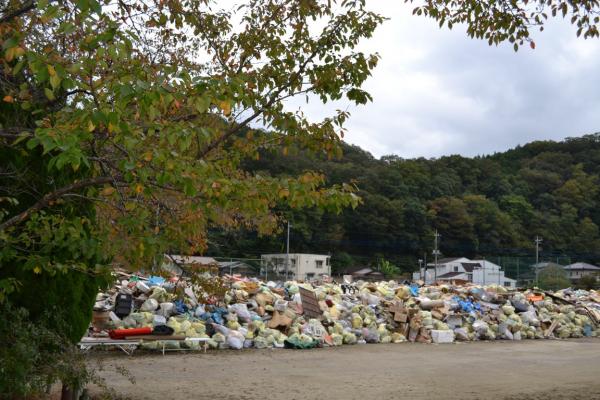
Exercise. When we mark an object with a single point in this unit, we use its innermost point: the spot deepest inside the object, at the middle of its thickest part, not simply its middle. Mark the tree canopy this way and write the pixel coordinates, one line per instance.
(146, 109)
(511, 20)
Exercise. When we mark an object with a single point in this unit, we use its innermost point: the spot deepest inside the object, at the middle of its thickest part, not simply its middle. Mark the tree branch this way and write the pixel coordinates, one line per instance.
(26, 7)
(45, 201)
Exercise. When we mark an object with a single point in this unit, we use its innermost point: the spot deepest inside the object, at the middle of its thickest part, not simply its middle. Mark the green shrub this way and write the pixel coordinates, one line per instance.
(34, 356)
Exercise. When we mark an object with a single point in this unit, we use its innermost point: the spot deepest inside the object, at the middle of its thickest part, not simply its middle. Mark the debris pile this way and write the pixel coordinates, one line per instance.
(255, 314)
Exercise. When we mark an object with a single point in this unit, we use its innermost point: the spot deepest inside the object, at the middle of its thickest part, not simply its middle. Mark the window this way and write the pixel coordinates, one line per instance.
(293, 261)
(455, 269)
(506, 283)
(319, 263)
(328, 261)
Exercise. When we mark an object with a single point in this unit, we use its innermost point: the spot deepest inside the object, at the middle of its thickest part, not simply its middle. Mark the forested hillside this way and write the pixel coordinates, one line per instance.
(483, 206)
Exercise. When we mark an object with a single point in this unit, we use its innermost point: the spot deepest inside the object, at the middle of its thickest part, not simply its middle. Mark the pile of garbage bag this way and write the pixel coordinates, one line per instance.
(257, 314)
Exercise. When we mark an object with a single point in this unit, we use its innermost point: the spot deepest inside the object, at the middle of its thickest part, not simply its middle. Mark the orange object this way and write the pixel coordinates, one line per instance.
(535, 297)
(123, 333)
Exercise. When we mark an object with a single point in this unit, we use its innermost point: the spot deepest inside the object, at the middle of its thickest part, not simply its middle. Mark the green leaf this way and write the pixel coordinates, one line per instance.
(49, 94)
(10, 43)
(55, 82)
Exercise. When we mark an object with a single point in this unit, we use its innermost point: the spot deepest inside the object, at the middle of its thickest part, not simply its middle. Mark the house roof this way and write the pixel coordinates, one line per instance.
(190, 259)
(352, 269)
(293, 255)
(581, 266)
(448, 275)
(448, 259)
(469, 267)
(542, 265)
(366, 271)
(233, 265)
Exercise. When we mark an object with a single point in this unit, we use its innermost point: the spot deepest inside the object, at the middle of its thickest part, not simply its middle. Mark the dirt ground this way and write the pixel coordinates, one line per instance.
(527, 370)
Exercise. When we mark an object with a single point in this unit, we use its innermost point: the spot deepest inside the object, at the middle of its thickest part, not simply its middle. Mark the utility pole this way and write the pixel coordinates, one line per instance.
(538, 240)
(436, 252)
(287, 257)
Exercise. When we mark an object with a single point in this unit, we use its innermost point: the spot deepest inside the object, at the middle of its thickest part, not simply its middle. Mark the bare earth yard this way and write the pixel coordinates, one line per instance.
(527, 370)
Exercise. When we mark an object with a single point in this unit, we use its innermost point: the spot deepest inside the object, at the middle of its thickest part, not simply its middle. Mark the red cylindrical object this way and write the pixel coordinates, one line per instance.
(123, 333)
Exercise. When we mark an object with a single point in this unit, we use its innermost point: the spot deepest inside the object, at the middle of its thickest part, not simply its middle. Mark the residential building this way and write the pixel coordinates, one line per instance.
(300, 266)
(462, 269)
(578, 270)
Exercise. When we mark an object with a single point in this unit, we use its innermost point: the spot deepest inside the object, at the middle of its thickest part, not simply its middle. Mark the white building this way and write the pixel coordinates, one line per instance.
(578, 270)
(301, 266)
(480, 272)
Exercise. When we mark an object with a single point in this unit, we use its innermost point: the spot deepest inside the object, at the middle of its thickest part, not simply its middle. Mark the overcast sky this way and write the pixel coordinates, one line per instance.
(437, 92)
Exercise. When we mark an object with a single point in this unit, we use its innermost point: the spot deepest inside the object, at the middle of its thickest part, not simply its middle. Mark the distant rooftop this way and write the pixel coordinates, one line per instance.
(469, 267)
(445, 260)
(581, 266)
(293, 254)
(450, 275)
(179, 259)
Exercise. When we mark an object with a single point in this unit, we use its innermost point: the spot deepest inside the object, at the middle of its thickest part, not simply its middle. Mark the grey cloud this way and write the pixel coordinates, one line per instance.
(437, 92)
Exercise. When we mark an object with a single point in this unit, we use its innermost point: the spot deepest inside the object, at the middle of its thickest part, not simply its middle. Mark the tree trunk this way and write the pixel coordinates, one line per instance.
(68, 393)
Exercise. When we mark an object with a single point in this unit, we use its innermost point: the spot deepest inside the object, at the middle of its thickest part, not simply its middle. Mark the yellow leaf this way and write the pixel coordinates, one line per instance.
(225, 106)
(54, 81)
(107, 191)
(285, 151)
(156, 230)
(51, 70)
(284, 193)
(148, 156)
(19, 51)
(139, 188)
(91, 126)
(37, 270)
(8, 99)
(10, 54)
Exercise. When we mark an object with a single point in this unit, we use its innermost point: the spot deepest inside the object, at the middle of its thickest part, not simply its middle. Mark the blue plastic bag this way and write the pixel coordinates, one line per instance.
(467, 305)
(156, 281)
(180, 307)
(414, 290)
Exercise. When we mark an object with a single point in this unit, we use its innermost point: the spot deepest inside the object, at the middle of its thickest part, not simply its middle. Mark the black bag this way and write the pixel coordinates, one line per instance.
(163, 330)
(123, 305)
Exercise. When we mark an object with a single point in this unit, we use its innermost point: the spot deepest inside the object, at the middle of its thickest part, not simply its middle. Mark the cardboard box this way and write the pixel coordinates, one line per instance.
(400, 317)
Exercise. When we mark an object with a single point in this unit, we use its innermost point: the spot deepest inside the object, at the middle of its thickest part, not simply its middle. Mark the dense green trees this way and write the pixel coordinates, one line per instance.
(491, 205)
